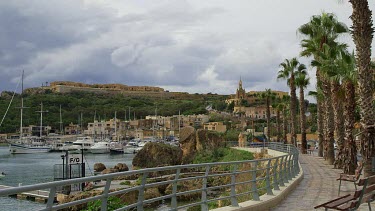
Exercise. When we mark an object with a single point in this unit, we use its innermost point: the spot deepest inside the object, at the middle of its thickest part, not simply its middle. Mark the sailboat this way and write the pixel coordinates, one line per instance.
(27, 145)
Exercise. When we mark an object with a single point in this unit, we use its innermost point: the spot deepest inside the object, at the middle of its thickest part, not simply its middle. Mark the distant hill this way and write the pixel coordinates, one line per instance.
(103, 104)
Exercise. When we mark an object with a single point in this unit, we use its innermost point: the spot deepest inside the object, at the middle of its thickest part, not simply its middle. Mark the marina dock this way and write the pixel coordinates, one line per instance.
(37, 196)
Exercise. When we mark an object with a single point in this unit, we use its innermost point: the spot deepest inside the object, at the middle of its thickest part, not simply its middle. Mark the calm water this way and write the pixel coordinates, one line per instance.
(26, 169)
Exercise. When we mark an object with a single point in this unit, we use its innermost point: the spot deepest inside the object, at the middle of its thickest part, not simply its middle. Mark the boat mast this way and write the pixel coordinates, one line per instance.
(61, 126)
(21, 132)
(41, 119)
(115, 126)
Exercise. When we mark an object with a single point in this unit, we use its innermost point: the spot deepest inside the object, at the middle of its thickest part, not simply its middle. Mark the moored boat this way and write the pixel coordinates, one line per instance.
(100, 148)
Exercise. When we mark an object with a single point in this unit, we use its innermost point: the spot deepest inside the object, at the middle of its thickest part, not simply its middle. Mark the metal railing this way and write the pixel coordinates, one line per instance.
(203, 185)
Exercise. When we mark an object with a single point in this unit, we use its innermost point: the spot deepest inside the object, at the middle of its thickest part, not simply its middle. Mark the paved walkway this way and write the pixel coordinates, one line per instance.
(318, 186)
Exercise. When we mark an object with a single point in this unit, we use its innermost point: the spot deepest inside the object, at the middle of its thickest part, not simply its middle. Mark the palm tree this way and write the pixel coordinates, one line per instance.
(285, 102)
(277, 104)
(319, 96)
(323, 30)
(330, 60)
(362, 35)
(268, 96)
(302, 81)
(288, 68)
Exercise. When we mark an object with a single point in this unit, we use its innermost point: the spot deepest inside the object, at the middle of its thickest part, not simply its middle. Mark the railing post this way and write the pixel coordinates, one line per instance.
(289, 167)
(204, 205)
(254, 188)
(233, 198)
(51, 198)
(174, 190)
(141, 193)
(275, 182)
(105, 195)
(268, 178)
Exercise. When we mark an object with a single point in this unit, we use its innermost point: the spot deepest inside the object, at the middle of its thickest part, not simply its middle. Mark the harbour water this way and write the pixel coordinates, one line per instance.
(26, 169)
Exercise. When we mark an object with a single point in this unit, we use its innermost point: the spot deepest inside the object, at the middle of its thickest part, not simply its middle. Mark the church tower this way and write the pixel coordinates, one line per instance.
(240, 93)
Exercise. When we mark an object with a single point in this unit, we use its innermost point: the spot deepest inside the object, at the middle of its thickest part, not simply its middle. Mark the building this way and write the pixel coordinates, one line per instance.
(250, 104)
(215, 126)
(72, 129)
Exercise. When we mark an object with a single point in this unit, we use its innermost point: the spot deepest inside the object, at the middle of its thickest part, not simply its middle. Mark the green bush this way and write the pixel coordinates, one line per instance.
(113, 204)
(222, 155)
(125, 182)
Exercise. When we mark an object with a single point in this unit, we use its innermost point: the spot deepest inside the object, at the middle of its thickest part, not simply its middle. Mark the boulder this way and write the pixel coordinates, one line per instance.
(98, 167)
(121, 167)
(109, 171)
(157, 154)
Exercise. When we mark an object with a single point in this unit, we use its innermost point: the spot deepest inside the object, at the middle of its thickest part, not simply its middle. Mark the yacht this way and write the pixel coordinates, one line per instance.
(131, 147)
(29, 146)
(84, 143)
(100, 148)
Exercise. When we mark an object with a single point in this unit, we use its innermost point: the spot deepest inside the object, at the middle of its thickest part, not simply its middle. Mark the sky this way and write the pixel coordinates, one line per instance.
(192, 46)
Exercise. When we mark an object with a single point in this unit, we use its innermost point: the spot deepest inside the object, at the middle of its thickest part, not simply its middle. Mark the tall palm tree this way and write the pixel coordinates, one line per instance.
(319, 96)
(302, 80)
(362, 32)
(288, 67)
(330, 63)
(323, 30)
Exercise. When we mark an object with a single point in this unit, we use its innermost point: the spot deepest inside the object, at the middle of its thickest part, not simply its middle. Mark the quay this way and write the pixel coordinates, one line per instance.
(40, 196)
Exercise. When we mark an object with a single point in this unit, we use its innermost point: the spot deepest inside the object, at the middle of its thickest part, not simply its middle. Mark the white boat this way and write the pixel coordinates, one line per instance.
(23, 148)
(2, 175)
(131, 147)
(84, 143)
(100, 148)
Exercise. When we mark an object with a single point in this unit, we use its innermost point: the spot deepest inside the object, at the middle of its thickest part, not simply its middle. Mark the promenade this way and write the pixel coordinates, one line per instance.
(319, 185)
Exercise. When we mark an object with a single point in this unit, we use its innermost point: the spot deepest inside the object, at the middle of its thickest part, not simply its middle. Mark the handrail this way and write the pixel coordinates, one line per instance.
(247, 179)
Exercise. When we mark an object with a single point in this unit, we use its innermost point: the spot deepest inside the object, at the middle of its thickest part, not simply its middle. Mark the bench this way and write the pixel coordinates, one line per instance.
(353, 201)
(351, 178)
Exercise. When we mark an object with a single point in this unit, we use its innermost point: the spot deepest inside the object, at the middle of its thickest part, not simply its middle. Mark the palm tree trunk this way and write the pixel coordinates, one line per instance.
(350, 147)
(303, 119)
(268, 113)
(329, 125)
(285, 126)
(278, 125)
(339, 123)
(362, 35)
(293, 102)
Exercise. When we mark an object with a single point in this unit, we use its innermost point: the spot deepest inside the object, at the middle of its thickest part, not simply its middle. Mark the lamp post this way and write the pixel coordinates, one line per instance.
(63, 166)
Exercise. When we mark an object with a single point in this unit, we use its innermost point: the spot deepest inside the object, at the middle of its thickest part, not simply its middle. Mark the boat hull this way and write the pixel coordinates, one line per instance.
(99, 151)
(22, 149)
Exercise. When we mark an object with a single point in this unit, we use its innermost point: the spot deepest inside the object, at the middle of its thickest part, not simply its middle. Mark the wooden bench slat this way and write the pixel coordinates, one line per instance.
(342, 197)
(342, 201)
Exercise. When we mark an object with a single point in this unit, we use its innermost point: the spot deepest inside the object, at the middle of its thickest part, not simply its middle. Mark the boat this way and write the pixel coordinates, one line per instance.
(116, 148)
(84, 143)
(100, 148)
(29, 146)
(131, 147)
(2, 175)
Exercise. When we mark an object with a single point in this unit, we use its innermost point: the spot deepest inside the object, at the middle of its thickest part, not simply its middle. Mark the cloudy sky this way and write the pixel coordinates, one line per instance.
(180, 45)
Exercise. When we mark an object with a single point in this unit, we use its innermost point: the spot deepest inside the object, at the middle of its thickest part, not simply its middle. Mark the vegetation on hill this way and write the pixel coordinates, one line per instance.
(99, 106)
(222, 155)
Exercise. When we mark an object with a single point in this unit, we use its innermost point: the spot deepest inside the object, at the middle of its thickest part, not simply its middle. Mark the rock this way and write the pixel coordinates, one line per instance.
(121, 167)
(187, 144)
(98, 167)
(109, 171)
(157, 154)
(193, 141)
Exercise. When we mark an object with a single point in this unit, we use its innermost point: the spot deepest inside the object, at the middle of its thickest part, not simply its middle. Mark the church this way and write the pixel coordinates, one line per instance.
(250, 104)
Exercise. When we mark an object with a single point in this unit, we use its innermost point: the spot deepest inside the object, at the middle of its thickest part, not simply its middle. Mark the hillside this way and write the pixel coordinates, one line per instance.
(103, 105)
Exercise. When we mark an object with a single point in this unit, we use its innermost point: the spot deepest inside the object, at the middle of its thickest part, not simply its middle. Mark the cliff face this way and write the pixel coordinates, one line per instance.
(193, 141)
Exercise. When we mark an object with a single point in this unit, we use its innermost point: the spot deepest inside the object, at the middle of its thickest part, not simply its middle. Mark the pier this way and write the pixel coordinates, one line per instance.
(35, 195)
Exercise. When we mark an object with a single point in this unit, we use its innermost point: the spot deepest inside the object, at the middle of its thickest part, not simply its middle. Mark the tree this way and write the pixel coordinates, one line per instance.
(285, 102)
(277, 104)
(362, 32)
(268, 96)
(302, 81)
(287, 72)
(318, 96)
(323, 30)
